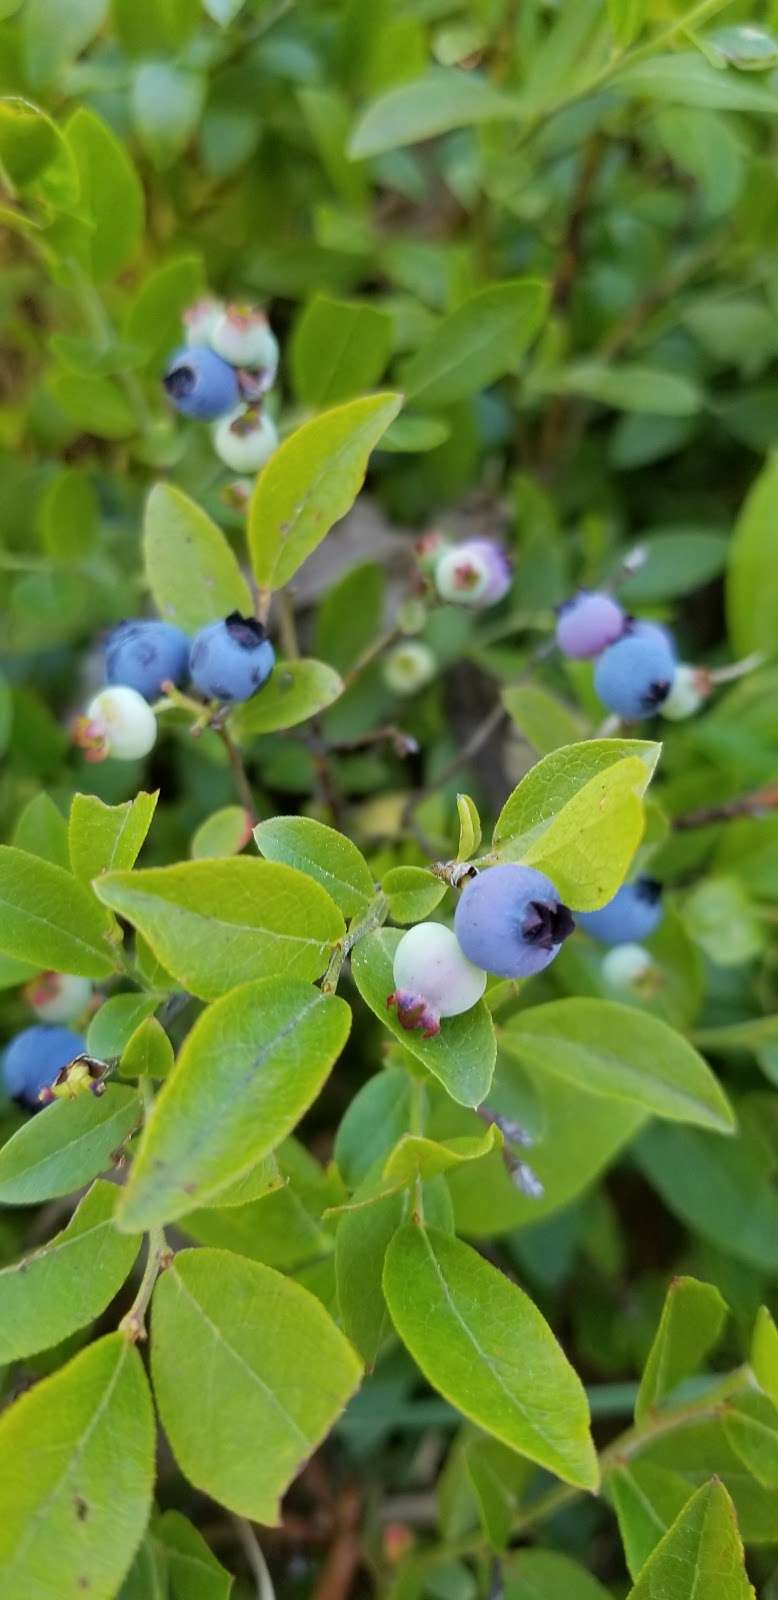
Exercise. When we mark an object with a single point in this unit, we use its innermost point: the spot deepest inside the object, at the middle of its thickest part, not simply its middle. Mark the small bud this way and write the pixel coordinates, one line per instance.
(83, 1075)
(429, 548)
(409, 667)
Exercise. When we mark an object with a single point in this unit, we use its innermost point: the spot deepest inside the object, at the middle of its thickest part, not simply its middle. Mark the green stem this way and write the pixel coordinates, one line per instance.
(133, 1324)
(376, 914)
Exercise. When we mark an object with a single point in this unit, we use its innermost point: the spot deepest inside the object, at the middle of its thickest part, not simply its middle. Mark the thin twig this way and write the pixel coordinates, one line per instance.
(253, 1552)
(242, 785)
(756, 804)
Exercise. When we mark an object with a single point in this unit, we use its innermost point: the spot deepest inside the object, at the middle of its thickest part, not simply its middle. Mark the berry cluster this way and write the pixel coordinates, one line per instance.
(35, 1057)
(633, 914)
(637, 672)
(228, 660)
(221, 375)
(509, 922)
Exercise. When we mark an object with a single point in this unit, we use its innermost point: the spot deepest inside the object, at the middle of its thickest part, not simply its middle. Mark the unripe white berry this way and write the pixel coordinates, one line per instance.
(686, 695)
(123, 723)
(58, 996)
(246, 439)
(625, 965)
(243, 336)
(409, 667)
(433, 978)
(201, 318)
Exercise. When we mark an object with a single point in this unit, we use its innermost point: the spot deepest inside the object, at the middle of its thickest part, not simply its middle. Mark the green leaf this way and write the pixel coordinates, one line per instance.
(215, 924)
(310, 482)
(417, 1156)
(702, 1553)
(482, 339)
(48, 1295)
(434, 103)
(349, 616)
(750, 48)
(41, 830)
(166, 101)
(751, 1426)
(147, 1577)
(461, 1056)
(297, 690)
(693, 1316)
(578, 816)
(111, 192)
(610, 1049)
(719, 1189)
(627, 18)
(686, 78)
(339, 349)
(264, 1178)
(191, 571)
(361, 1243)
(676, 562)
(33, 152)
(112, 1027)
(647, 1500)
(373, 1122)
(499, 1479)
(412, 893)
(632, 387)
(250, 1335)
(96, 405)
(49, 918)
(469, 827)
(547, 1575)
(251, 1066)
(752, 568)
(148, 1052)
(153, 319)
(87, 1428)
(482, 1343)
(764, 1353)
(107, 838)
(224, 833)
(66, 1145)
(54, 32)
(322, 853)
(544, 720)
(415, 435)
(193, 1571)
(68, 516)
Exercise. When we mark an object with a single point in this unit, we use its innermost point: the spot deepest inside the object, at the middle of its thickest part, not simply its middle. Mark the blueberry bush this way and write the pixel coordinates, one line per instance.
(389, 886)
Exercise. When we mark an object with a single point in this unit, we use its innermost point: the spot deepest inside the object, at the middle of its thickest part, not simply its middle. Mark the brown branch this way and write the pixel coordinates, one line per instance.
(342, 1560)
(756, 804)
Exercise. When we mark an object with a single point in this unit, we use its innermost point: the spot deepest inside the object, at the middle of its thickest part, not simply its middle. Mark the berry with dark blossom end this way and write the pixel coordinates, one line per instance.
(58, 996)
(33, 1059)
(200, 384)
(476, 573)
(588, 623)
(511, 921)
(246, 439)
(633, 914)
(634, 676)
(433, 979)
(232, 659)
(145, 654)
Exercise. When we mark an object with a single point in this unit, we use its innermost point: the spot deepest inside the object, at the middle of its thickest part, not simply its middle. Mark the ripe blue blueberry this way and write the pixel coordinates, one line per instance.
(33, 1059)
(433, 979)
(146, 654)
(588, 623)
(630, 917)
(231, 660)
(200, 384)
(511, 921)
(634, 676)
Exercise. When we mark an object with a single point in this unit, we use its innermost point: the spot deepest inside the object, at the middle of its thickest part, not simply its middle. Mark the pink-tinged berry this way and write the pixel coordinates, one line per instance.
(58, 996)
(476, 573)
(243, 336)
(245, 440)
(118, 723)
(588, 623)
(200, 319)
(433, 979)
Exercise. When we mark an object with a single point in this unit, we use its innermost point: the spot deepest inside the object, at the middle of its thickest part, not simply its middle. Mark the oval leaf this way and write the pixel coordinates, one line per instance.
(325, 854)
(701, 1554)
(215, 924)
(191, 570)
(49, 918)
(66, 1145)
(296, 691)
(481, 1342)
(239, 1417)
(250, 1067)
(477, 343)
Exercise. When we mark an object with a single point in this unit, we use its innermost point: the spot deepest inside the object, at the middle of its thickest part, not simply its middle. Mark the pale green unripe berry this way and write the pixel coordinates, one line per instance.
(201, 318)
(409, 667)
(433, 978)
(58, 996)
(123, 723)
(246, 439)
(686, 695)
(243, 336)
(625, 966)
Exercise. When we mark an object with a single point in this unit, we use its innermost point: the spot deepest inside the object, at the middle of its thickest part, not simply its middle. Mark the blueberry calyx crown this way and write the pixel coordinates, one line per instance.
(546, 926)
(657, 691)
(414, 1011)
(180, 381)
(649, 890)
(245, 632)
